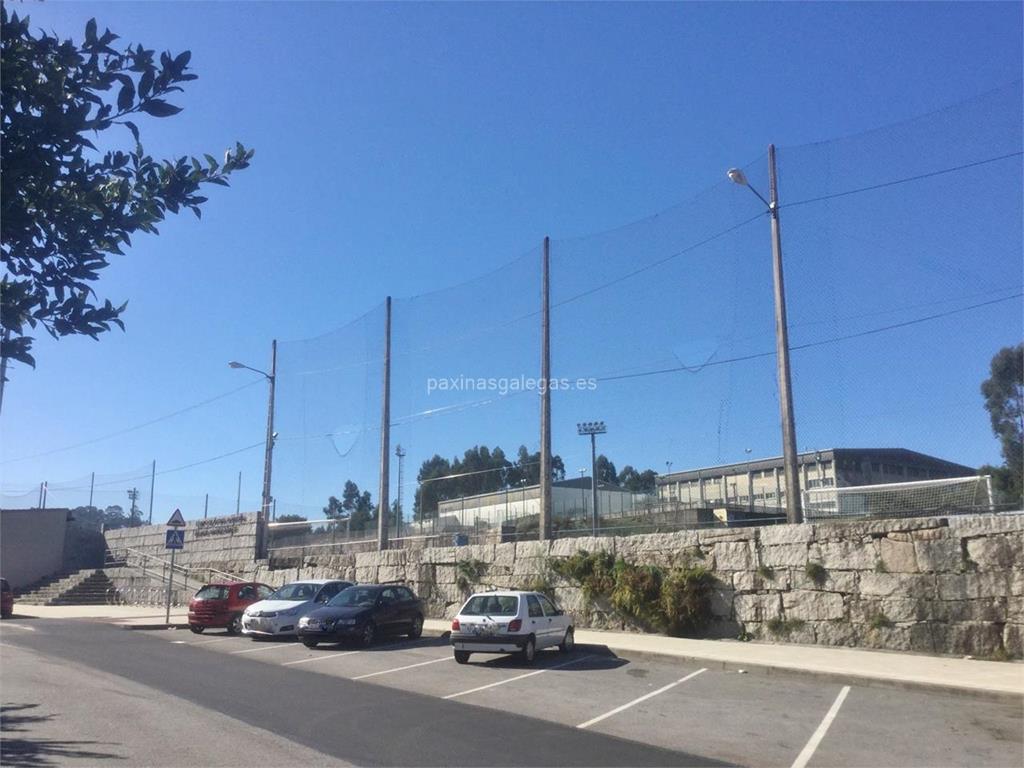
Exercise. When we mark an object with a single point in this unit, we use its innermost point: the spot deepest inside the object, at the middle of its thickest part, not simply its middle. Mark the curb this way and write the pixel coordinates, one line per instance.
(845, 678)
(851, 678)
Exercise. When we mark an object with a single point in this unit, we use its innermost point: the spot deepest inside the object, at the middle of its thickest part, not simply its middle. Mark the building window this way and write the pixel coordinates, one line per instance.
(874, 466)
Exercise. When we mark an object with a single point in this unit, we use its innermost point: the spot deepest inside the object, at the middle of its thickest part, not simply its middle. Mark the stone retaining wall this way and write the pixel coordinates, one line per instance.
(940, 585)
(225, 543)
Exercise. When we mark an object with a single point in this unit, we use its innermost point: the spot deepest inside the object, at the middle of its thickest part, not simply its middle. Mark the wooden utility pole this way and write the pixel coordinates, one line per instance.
(152, 487)
(794, 509)
(545, 397)
(385, 436)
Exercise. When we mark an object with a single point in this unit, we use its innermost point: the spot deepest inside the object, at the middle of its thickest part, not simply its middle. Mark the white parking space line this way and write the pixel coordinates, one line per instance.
(634, 702)
(319, 658)
(399, 669)
(808, 752)
(212, 640)
(517, 677)
(269, 648)
(18, 626)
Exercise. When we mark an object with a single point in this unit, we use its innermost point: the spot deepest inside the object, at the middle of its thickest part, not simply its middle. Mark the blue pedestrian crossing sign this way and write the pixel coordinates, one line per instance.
(175, 539)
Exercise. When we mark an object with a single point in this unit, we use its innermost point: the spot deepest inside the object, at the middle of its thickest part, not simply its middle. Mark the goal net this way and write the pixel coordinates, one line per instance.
(925, 497)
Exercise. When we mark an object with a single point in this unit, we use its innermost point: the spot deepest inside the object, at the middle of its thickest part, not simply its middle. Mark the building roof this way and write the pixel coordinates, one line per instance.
(902, 455)
(577, 482)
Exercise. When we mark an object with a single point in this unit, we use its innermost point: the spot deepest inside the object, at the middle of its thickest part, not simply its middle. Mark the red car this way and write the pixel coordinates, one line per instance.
(6, 600)
(220, 605)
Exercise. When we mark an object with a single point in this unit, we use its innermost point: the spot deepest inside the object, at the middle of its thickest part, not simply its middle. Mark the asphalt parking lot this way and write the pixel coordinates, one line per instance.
(722, 715)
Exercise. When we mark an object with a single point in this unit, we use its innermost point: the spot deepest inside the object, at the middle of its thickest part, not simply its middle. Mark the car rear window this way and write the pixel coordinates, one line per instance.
(212, 593)
(491, 605)
(298, 591)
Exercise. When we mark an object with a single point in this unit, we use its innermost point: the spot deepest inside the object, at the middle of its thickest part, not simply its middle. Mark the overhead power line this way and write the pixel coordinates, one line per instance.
(904, 180)
(136, 427)
(808, 345)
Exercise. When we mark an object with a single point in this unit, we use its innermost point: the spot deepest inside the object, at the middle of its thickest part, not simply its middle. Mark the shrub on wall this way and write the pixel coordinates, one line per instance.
(676, 601)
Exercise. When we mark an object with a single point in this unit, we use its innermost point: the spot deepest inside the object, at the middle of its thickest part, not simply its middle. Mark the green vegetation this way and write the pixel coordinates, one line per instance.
(68, 207)
(766, 572)
(539, 583)
(880, 621)
(676, 600)
(1004, 400)
(355, 509)
(469, 572)
(816, 572)
(783, 627)
(1000, 654)
(880, 567)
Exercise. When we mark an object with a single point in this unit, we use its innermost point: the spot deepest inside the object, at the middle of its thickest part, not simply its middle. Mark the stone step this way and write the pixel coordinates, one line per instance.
(90, 584)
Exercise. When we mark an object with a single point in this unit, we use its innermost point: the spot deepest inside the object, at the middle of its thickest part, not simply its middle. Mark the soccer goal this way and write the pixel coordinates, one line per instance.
(924, 497)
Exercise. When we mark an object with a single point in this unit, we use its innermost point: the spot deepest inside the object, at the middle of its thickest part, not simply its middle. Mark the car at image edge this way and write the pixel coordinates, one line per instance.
(364, 612)
(219, 605)
(510, 622)
(279, 614)
(6, 599)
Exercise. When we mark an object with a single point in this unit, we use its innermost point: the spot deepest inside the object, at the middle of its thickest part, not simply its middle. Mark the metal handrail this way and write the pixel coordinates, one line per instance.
(148, 559)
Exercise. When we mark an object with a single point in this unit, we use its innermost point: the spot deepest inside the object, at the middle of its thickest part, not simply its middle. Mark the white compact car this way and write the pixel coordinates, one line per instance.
(279, 614)
(510, 622)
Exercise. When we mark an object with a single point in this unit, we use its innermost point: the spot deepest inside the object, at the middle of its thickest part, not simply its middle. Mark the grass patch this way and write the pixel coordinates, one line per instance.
(999, 654)
(880, 621)
(675, 600)
(816, 572)
(469, 572)
(539, 583)
(766, 572)
(783, 627)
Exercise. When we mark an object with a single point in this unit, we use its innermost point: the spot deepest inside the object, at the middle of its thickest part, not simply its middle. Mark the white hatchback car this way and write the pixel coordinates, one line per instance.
(510, 622)
(279, 614)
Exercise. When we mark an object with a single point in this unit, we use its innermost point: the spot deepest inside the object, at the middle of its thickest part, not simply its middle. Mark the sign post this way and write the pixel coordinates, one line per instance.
(175, 540)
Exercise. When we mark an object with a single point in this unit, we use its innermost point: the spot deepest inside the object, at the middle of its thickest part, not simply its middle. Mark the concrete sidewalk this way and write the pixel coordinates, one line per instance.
(124, 615)
(890, 667)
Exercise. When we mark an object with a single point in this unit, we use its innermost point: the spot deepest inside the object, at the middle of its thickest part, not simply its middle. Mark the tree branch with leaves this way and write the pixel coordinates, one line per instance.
(65, 206)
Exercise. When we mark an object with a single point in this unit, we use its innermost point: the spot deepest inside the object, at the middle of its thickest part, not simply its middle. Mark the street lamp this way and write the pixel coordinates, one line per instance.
(794, 511)
(268, 457)
(583, 493)
(592, 428)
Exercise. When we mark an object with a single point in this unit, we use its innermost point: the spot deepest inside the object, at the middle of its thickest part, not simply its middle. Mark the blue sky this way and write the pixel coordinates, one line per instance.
(402, 149)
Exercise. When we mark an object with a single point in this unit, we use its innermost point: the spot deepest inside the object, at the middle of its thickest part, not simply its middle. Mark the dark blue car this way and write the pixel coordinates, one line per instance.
(364, 612)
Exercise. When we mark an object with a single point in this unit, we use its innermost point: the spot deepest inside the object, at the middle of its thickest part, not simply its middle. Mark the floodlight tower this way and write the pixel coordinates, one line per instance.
(592, 428)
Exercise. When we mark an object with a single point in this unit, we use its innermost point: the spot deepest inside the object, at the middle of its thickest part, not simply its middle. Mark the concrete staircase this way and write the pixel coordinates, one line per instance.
(85, 587)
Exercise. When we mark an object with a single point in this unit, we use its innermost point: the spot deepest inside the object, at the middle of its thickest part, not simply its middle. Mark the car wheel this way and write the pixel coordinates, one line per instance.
(310, 643)
(568, 642)
(529, 652)
(417, 628)
(369, 633)
(235, 625)
(461, 657)
(196, 628)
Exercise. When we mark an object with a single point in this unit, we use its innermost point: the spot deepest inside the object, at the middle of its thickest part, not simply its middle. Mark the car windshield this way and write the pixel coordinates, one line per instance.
(295, 592)
(355, 597)
(212, 593)
(491, 605)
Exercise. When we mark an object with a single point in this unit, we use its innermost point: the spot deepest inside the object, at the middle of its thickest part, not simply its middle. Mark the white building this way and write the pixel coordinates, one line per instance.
(569, 498)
